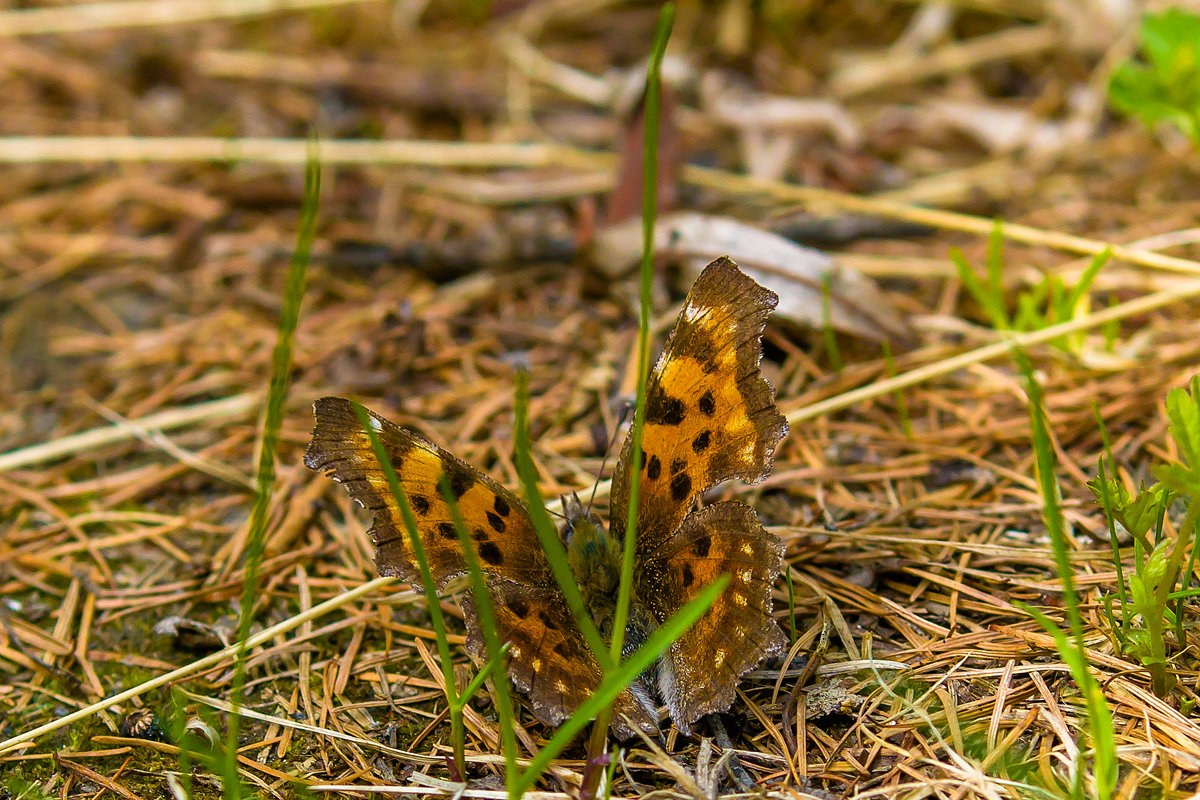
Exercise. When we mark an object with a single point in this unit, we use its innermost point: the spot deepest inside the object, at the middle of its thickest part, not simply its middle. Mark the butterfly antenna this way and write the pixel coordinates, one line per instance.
(625, 408)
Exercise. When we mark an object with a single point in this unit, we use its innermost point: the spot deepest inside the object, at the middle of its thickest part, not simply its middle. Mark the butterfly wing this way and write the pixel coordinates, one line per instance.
(699, 671)
(499, 523)
(710, 415)
(549, 659)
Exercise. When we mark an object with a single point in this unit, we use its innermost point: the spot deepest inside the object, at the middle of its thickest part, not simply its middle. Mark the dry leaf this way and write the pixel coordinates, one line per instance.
(794, 272)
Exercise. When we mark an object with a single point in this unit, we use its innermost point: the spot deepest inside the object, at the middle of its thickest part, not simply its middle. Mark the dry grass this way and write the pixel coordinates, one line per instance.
(141, 279)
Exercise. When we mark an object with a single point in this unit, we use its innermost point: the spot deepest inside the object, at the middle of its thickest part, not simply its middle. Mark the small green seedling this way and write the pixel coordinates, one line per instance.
(1049, 302)
(1165, 85)
(1157, 591)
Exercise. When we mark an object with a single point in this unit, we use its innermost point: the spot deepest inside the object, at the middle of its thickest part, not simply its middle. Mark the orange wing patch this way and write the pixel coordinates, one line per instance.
(500, 526)
(710, 415)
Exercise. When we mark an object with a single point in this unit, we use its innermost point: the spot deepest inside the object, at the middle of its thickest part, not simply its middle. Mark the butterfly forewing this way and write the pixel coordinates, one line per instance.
(710, 415)
(497, 520)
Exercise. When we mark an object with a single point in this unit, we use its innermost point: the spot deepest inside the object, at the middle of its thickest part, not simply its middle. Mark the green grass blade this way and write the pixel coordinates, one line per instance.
(898, 395)
(615, 682)
(791, 603)
(428, 585)
(1081, 287)
(649, 206)
(828, 335)
(265, 477)
(992, 305)
(487, 626)
(1099, 718)
(1051, 497)
(995, 262)
(544, 526)
(1107, 502)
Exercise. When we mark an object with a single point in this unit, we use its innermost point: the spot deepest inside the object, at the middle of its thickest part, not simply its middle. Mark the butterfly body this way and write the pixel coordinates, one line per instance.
(709, 417)
(595, 561)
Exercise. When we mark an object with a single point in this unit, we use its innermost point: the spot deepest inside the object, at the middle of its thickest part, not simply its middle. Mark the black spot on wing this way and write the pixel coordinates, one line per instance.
(681, 486)
(662, 409)
(495, 521)
(459, 477)
(701, 442)
(707, 404)
(653, 468)
(419, 503)
(491, 554)
(446, 530)
(501, 506)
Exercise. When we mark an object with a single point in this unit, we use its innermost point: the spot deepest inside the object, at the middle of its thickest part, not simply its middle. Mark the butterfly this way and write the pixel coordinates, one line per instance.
(710, 416)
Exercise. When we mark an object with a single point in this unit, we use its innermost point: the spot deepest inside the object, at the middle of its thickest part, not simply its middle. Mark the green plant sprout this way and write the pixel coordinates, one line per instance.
(1160, 584)
(1165, 85)
(1098, 724)
(1048, 303)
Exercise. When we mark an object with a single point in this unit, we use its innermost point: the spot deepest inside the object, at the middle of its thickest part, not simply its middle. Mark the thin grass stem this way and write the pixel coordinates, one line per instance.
(265, 477)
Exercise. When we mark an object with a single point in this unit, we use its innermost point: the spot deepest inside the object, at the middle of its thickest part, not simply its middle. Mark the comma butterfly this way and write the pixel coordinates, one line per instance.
(710, 417)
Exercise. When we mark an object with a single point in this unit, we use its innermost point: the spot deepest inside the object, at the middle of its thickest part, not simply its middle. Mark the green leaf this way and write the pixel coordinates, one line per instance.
(1167, 87)
(1184, 417)
(1138, 514)
(1156, 571)
(1170, 39)
(1179, 478)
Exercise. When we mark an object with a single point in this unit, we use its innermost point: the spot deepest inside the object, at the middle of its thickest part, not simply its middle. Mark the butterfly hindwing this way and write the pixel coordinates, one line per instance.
(710, 415)
(548, 657)
(505, 540)
(699, 671)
